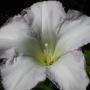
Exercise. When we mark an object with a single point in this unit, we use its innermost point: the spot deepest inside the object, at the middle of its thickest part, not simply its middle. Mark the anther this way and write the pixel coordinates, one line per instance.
(46, 44)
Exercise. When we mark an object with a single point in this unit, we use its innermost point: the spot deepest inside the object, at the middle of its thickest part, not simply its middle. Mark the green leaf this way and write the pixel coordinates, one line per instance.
(88, 69)
(45, 85)
(87, 57)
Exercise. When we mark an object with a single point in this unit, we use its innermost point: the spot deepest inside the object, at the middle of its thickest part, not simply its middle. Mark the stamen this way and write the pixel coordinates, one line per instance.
(48, 57)
(46, 44)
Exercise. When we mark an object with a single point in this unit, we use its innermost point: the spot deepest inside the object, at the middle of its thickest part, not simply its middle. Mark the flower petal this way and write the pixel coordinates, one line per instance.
(22, 73)
(75, 32)
(52, 11)
(17, 34)
(13, 33)
(69, 73)
(47, 19)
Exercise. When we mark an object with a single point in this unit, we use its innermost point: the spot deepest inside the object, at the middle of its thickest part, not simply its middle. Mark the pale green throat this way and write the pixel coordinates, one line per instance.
(43, 48)
(47, 57)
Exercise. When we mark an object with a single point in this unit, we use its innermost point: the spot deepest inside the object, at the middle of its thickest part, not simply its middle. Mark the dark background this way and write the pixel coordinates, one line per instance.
(10, 8)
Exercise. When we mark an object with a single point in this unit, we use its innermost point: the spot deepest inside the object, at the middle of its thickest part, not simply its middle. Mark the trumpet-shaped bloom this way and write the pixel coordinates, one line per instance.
(44, 42)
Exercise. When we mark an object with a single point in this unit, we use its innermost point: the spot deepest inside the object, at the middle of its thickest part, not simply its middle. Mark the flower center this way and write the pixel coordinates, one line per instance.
(42, 47)
(47, 56)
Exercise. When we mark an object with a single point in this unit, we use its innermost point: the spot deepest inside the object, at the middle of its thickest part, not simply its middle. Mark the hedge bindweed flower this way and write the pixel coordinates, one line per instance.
(44, 41)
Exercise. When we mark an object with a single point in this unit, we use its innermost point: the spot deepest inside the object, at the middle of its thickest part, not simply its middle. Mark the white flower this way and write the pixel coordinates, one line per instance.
(43, 42)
